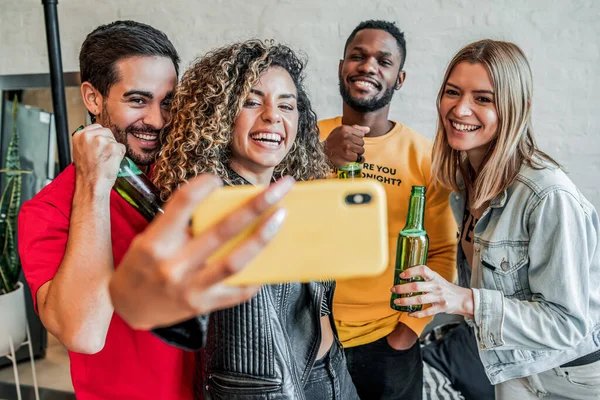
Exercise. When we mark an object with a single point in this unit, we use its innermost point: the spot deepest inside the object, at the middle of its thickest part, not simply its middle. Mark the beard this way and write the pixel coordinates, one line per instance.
(144, 157)
(365, 105)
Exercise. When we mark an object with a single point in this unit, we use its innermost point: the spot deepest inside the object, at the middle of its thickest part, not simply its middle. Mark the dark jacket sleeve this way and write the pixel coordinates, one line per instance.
(188, 335)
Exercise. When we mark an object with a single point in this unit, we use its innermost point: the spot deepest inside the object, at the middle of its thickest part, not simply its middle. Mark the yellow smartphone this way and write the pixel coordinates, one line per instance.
(334, 229)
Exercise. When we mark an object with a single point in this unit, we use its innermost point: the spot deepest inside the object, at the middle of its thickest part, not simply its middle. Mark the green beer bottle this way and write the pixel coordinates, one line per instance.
(350, 171)
(412, 246)
(135, 187)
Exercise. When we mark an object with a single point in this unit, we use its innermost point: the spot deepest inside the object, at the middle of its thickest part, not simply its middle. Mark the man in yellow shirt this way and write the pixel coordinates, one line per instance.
(382, 351)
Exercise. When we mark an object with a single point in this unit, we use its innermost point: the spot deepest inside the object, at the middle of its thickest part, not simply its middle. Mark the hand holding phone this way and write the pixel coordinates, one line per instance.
(333, 229)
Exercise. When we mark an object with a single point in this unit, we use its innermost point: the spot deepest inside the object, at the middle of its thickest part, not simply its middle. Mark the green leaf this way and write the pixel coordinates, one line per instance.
(13, 159)
(10, 203)
(4, 286)
(6, 236)
(12, 254)
(4, 203)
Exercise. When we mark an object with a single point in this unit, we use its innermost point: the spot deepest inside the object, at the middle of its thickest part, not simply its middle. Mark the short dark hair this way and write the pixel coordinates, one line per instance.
(110, 43)
(389, 27)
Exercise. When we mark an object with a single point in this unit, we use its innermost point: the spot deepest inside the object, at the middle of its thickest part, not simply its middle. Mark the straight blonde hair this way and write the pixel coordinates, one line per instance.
(513, 144)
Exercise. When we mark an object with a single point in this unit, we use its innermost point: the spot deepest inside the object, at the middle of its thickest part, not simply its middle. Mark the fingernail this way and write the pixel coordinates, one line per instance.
(213, 181)
(274, 224)
(281, 188)
(217, 182)
(198, 186)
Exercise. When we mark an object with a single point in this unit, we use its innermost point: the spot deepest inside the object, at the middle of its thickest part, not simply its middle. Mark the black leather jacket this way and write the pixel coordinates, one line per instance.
(262, 349)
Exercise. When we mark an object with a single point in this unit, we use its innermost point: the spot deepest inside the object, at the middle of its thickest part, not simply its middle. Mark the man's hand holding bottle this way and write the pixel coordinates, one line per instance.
(97, 156)
(345, 144)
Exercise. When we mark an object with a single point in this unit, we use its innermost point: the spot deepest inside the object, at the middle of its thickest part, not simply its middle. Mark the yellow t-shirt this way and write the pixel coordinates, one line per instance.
(399, 159)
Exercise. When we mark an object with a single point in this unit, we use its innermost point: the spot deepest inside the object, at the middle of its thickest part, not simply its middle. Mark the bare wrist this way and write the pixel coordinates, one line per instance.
(468, 304)
(94, 190)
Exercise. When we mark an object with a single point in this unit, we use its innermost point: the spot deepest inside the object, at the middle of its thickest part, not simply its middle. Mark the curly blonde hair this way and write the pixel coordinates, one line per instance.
(206, 104)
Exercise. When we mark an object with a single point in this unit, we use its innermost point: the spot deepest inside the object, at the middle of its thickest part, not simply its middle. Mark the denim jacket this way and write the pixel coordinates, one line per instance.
(538, 302)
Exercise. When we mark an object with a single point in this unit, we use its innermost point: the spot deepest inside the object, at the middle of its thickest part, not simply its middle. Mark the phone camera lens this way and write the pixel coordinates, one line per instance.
(358, 198)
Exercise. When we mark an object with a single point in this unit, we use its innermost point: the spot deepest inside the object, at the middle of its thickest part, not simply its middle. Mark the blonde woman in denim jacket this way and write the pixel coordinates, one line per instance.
(528, 254)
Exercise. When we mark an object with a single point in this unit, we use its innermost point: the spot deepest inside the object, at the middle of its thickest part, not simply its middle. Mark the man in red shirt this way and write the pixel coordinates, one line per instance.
(73, 233)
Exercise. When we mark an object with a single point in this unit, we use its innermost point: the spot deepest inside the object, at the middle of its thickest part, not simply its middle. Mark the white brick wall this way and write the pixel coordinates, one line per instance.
(560, 38)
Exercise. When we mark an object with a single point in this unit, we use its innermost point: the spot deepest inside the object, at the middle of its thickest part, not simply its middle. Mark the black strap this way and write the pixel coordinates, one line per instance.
(237, 179)
(585, 360)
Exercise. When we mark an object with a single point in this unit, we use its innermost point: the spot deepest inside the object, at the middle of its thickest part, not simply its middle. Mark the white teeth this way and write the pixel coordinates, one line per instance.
(145, 136)
(274, 137)
(270, 144)
(364, 84)
(464, 127)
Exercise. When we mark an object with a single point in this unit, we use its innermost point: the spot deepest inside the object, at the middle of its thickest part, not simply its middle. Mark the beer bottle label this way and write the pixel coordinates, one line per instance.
(128, 168)
(350, 171)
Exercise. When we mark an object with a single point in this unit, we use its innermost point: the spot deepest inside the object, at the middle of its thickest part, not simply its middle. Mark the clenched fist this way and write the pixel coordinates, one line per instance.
(97, 156)
(345, 144)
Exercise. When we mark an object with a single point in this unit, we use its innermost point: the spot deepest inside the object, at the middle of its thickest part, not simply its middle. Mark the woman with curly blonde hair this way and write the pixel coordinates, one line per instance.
(241, 112)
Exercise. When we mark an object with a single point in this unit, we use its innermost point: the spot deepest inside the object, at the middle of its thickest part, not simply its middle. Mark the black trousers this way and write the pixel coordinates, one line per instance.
(456, 356)
(381, 372)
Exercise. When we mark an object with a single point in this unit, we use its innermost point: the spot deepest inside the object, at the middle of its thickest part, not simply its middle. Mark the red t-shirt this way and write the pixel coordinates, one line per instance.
(133, 364)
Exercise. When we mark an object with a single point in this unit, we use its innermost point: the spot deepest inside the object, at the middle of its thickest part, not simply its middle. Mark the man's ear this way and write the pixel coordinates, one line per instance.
(340, 66)
(400, 80)
(91, 98)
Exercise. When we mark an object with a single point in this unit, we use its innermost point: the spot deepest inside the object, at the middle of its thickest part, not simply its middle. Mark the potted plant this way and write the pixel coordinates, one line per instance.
(13, 327)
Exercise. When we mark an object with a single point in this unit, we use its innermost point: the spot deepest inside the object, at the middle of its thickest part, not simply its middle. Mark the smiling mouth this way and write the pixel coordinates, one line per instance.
(148, 137)
(466, 128)
(366, 84)
(269, 139)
